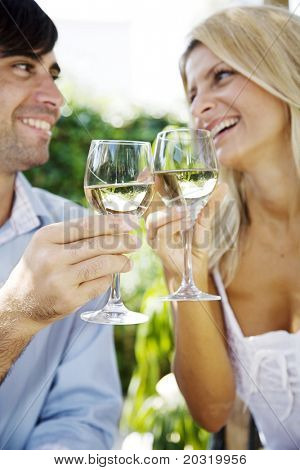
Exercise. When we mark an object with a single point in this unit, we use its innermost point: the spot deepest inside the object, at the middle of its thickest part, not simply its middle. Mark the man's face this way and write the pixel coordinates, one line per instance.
(30, 106)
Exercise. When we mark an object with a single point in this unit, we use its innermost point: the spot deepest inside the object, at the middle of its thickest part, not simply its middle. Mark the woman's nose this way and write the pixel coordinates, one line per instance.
(201, 105)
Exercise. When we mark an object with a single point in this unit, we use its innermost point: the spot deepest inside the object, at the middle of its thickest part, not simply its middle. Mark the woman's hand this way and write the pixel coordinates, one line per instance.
(164, 229)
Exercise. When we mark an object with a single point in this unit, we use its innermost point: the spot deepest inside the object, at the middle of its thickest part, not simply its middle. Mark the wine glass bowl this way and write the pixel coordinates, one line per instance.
(118, 178)
(186, 173)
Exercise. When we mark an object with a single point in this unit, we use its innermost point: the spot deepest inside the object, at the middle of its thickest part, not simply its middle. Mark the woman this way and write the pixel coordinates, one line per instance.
(241, 73)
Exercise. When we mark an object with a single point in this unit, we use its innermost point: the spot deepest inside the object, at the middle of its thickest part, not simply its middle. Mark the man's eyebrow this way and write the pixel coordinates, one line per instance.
(21, 53)
(30, 55)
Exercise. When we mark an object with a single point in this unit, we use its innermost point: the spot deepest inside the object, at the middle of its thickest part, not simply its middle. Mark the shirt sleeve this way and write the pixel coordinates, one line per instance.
(83, 406)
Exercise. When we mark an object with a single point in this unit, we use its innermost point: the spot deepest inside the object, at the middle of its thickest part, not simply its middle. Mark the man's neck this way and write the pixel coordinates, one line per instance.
(7, 184)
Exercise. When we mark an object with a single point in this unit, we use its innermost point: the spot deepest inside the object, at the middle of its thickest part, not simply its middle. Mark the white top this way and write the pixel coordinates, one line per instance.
(267, 374)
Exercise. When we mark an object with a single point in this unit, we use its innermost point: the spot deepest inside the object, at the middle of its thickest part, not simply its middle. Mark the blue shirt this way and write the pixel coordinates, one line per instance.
(64, 389)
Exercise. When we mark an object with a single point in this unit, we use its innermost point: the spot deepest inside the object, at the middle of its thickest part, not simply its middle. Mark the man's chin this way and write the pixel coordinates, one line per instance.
(32, 163)
(20, 155)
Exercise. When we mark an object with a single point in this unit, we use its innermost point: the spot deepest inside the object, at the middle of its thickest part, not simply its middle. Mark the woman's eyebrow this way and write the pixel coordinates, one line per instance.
(207, 74)
(212, 68)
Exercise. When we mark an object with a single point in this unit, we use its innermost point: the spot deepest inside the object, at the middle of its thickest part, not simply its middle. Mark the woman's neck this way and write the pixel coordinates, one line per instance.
(7, 184)
(272, 192)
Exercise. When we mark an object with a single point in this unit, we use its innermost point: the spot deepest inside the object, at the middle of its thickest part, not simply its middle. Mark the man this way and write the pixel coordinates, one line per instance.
(59, 383)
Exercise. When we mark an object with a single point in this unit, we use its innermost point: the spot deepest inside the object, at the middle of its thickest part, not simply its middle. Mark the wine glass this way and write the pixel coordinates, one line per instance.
(186, 173)
(118, 180)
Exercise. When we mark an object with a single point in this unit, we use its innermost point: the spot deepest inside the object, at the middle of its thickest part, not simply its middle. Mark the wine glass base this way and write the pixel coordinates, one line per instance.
(114, 315)
(189, 293)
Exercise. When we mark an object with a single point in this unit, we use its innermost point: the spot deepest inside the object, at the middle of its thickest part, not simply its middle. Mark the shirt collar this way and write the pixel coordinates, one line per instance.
(33, 197)
(27, 211)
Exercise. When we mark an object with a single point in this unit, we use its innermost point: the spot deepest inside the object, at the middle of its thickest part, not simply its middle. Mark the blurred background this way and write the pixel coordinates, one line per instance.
(120, 80)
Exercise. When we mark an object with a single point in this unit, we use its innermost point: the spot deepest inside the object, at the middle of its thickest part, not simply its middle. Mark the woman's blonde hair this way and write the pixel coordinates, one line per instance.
(262, 43)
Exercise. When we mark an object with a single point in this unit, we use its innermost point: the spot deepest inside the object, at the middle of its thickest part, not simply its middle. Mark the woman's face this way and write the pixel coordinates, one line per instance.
(247, 122)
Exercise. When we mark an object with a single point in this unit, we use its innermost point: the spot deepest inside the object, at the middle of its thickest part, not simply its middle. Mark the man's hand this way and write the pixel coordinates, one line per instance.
(65, 265)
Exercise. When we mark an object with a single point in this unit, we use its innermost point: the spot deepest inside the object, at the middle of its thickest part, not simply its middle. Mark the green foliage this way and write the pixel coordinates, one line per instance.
(145, 352)
(63, 174)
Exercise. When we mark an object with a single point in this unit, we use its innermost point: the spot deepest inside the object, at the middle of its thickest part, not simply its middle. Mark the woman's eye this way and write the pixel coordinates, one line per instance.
(191, 96)
(220, 74)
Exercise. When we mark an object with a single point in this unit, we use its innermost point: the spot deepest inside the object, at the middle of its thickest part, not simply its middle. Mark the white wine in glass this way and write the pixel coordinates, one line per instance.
(127, 198)
(186, 187)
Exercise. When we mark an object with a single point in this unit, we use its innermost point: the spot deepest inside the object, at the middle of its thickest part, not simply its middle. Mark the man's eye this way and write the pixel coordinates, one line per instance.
(55, 76)
(220, 74)
(23, 67)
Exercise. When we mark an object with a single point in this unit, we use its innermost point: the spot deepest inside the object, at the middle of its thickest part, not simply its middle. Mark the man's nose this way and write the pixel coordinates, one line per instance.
(48, 93)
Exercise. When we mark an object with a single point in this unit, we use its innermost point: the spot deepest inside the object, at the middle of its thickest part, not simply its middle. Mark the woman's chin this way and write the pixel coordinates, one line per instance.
(228, 160)
(225, 159)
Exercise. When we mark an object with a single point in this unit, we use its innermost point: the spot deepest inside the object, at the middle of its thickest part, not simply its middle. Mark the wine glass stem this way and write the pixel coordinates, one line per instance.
(115, 297)
(187, 279)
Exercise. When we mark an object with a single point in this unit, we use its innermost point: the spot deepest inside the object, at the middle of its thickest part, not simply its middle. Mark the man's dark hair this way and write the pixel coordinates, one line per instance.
(24, 28)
